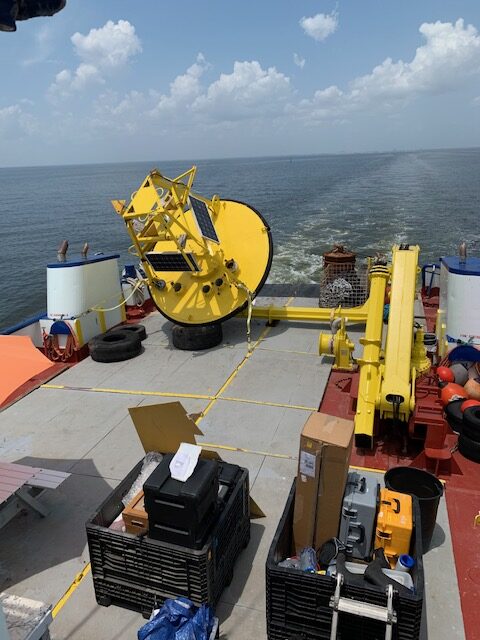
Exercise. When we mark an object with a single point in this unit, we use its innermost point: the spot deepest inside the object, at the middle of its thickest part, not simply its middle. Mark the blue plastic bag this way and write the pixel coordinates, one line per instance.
(179, 619)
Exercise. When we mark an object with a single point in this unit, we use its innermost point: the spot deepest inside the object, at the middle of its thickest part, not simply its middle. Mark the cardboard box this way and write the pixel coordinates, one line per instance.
(163, 427)
(325, 447)
(135, 517)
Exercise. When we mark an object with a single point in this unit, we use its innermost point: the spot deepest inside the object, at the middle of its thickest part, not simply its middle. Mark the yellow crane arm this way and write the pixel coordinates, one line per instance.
(397, 398)
(370, 366)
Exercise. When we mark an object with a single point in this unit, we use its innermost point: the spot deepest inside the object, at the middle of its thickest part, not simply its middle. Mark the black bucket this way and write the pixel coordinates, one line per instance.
(426, 487)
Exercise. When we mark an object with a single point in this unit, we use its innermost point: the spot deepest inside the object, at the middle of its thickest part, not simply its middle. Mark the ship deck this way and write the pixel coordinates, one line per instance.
(253, 409)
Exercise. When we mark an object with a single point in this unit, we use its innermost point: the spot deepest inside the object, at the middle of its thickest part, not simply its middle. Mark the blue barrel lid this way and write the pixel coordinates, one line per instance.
(470, 267)
(407, 561)
(78, 262)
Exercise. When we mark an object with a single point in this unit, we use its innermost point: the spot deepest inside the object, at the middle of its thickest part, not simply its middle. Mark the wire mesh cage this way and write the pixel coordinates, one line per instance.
(344, 284)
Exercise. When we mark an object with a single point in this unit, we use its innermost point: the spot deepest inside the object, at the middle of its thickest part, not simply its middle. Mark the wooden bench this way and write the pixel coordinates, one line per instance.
(21, 486)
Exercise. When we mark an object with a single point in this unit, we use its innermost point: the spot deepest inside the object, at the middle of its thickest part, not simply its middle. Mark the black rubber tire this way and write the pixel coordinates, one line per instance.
(454, 415)
(472, 433)
(115, 346)
(471, 423)
(469, 448)
(138, 329)
(471, 416)
(197, 337)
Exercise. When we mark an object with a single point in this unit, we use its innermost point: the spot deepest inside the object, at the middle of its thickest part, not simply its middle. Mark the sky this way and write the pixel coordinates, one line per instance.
(119, 81)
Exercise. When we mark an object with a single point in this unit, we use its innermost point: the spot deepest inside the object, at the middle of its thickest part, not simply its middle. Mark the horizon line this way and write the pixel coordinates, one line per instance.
(255, 157)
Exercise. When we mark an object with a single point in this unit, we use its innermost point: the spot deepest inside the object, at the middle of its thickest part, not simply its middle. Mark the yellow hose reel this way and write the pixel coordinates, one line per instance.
(338, 344)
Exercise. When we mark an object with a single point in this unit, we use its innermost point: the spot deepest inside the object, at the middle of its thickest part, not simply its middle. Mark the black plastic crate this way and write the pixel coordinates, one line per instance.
(298, 603)
(139, 573)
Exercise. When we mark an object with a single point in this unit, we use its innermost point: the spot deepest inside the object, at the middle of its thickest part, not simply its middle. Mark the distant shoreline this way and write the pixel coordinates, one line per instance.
(236, 158)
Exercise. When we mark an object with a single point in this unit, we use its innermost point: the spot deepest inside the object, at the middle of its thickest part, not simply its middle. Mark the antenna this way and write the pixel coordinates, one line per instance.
(203, 258)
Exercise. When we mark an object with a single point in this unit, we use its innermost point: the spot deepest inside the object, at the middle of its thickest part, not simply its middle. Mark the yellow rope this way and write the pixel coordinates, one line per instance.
(240, 285)
(137, 286)
(71, 589)
(234, 373)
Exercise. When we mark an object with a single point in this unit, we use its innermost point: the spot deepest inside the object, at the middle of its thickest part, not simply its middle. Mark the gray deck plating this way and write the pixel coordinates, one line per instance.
(90, 435)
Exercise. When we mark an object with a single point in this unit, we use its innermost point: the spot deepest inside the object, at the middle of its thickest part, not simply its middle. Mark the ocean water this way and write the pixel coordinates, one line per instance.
(365, 201)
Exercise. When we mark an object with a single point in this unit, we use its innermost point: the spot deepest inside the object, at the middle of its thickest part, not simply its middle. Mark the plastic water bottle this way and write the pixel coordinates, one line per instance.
(308, 560)
(290, 563)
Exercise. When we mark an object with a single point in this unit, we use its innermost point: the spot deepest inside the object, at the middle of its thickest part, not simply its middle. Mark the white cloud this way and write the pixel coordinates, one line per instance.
(450, 55)
(320, 26)
(125, 114)
(109, 46)
(249, 91)
(298, 60)
(101, 50)
(16, 122)
(183, 90)
(7, 112)
(251, 102)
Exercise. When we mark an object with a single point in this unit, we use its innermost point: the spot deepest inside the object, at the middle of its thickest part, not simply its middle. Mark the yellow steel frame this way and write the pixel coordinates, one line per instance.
(387, 380)
(312, 314)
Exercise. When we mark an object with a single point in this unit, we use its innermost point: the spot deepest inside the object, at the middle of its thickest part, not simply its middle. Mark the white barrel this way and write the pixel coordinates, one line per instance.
(76, 286)
(460, 299)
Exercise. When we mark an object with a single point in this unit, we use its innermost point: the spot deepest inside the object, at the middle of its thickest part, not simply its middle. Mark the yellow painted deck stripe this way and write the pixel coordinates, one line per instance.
(268, 404)
(132, 392)
(71, 589)
(370, 469)
(234, 373)
(300, 353)
(226, 447)
(174, 394)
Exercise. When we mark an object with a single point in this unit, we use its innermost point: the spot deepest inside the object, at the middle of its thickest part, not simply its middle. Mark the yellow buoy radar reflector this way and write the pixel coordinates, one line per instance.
(203, 258)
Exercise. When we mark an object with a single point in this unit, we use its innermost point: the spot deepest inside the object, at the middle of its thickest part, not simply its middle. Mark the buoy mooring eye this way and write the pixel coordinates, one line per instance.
(231, 265)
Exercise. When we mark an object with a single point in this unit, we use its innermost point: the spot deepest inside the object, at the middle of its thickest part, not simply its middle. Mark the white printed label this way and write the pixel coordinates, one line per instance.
(307, 464)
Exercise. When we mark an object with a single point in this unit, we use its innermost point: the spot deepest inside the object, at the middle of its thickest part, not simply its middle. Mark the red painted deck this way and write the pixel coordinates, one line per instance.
(462, 490)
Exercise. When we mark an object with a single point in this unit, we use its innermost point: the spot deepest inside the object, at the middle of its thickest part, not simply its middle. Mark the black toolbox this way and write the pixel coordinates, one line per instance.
(298, 602)
(136, 572)
(182, 513)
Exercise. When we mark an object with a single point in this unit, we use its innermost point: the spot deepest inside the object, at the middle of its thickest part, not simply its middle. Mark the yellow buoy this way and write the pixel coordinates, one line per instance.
(204, 258)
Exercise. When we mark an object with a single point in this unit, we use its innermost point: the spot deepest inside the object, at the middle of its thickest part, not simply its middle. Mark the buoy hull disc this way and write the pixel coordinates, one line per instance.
(227, 270)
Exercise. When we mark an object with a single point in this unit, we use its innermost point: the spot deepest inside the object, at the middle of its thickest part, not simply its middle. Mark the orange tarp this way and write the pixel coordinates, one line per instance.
(20, 361)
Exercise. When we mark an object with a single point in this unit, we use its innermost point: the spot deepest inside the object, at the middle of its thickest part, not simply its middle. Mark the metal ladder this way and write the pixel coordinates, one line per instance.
(362, 609)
